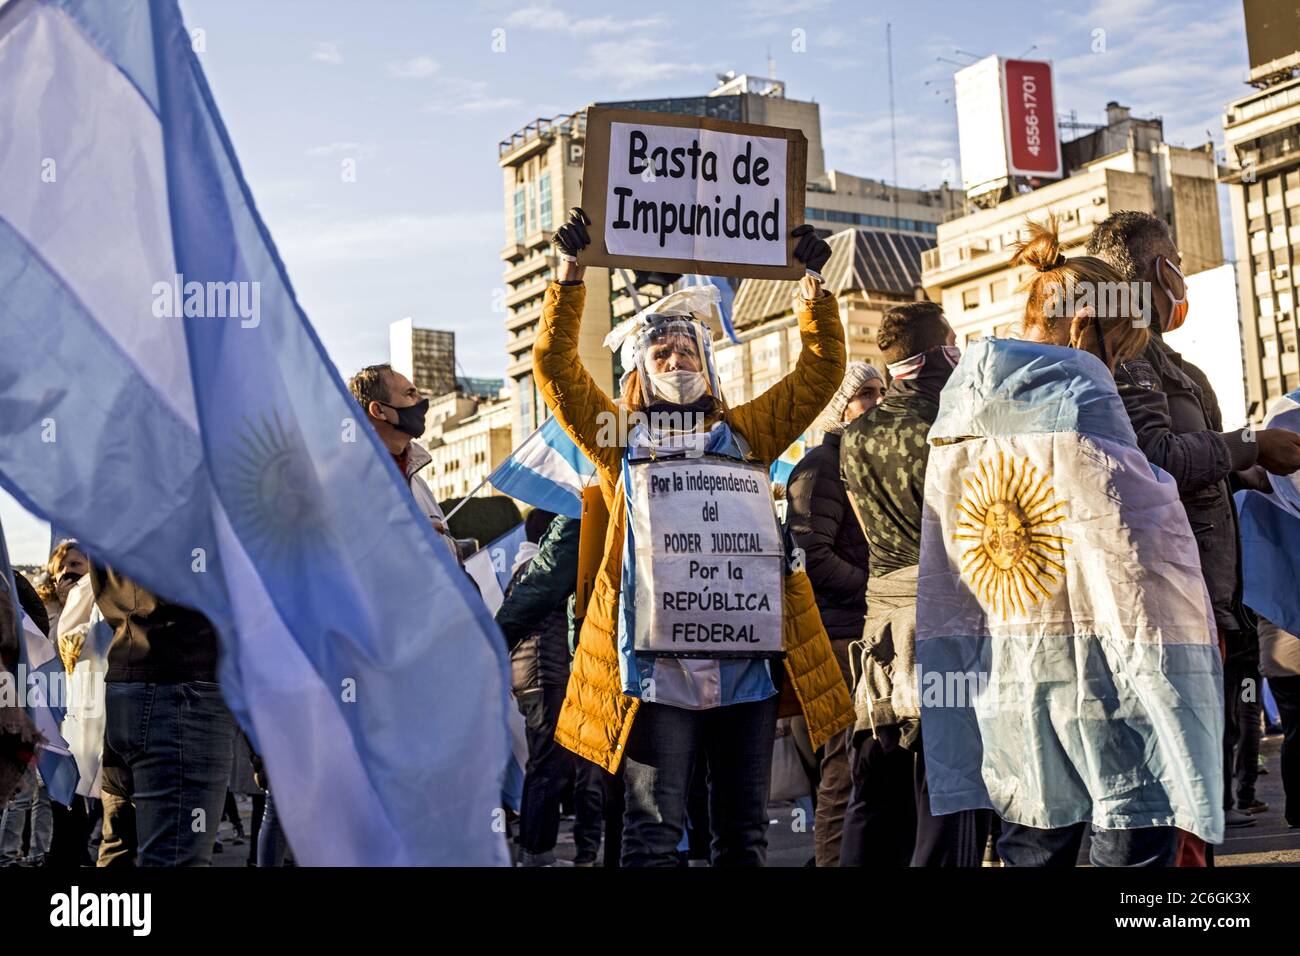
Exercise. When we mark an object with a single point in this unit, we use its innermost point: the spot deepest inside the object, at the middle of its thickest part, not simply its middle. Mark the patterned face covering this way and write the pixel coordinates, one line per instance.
(911, 367)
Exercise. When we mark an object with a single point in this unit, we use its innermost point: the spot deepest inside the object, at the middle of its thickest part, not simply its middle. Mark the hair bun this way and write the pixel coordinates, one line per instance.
(1042, 250)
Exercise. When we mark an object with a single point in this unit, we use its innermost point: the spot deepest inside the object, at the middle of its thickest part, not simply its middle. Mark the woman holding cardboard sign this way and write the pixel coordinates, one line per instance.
(695, 599)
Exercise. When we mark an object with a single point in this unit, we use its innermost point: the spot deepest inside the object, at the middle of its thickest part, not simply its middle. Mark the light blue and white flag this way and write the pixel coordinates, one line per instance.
(1068, 668)
(547, 471)
(42, 683)
(164, 399)
(727, 298)
(1270, 535)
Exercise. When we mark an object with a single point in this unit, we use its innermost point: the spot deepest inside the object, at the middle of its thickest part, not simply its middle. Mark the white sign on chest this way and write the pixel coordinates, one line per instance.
(709, 558)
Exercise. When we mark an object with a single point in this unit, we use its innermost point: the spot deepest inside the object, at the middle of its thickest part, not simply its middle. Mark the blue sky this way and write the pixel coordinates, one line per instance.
(414, 94)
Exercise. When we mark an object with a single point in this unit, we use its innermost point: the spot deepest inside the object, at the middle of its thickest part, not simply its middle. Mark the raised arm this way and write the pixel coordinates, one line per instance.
(781, 414)
(572, 395)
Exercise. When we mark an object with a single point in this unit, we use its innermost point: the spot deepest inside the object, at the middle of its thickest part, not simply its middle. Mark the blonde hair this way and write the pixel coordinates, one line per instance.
(1057, 280)
(47, 591)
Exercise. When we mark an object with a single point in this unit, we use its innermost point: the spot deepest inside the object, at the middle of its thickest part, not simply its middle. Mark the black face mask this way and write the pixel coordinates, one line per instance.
(410, 420)
(72, 577)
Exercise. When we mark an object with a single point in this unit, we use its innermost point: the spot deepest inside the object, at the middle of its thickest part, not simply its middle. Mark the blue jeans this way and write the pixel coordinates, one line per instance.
(30, 797)
(1029, 846)
(736, 741)
(176, 739)
(272, 847)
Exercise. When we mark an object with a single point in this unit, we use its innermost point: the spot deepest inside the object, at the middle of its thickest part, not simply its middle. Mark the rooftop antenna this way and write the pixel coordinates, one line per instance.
(1027, 52)
(893, 136)
(938, 90)
(973, 56)
(771, 65)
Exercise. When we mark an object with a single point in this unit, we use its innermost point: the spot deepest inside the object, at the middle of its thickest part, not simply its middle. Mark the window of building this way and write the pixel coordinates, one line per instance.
(521, 215)
(998, 290)
(970, 298)
(544, 200)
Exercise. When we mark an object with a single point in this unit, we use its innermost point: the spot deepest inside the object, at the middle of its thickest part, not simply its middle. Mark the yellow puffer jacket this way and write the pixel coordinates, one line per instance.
(597, 716)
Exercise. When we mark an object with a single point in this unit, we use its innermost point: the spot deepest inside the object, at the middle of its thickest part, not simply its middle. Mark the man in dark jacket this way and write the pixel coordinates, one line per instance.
(168, 737)
(822, 524)
(534, 618)
(1176, 418)
(883, 458)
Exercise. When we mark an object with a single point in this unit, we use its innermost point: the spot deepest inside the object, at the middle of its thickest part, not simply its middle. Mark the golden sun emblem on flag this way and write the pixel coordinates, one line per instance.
(1007, 513)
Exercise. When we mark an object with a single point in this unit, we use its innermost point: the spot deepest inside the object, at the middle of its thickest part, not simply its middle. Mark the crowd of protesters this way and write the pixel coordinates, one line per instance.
(665, 760)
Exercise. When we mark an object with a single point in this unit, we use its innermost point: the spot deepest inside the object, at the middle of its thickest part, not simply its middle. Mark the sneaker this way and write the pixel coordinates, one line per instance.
(1236, 818)
(1263, 767)
(536, 859)
(587, 859)
(1255, 806)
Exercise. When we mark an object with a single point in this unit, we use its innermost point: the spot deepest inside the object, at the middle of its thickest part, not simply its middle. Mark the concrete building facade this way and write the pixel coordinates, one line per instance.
(542, 169)
(868, 270)
(426, 356)
(969, 271)
(1262, 131)
(467, 441)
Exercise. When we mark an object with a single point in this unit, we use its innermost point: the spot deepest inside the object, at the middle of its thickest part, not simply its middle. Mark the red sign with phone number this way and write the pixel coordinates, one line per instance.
(1031, 119)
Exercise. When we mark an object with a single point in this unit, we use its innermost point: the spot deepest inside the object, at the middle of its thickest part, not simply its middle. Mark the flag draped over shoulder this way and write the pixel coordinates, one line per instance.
(164, 399)
(40, 686)
(1066, 652)
(547, 471)
(1270, 535)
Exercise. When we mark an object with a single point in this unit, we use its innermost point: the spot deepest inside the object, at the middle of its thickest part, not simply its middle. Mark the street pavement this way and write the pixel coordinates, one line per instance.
(790, 840)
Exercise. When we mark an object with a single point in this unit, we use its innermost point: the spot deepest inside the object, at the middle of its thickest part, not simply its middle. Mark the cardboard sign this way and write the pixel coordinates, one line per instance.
(709, 558)
(690, 194)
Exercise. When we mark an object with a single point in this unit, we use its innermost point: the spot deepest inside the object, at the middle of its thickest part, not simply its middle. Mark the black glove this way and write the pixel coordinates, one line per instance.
(572, 237)
(810, 250)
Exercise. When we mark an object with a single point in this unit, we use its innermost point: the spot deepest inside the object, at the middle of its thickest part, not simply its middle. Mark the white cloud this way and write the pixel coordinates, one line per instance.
(639, 61)
(416, 68)
(327, 51)
(355, 149)
(927, 150)
(459, 95)
(381, 237)
(1185, 76)
(550, 19)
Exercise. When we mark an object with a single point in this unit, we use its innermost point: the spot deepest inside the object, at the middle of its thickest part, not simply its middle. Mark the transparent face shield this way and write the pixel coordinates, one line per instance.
(674, 360)
(671, 347)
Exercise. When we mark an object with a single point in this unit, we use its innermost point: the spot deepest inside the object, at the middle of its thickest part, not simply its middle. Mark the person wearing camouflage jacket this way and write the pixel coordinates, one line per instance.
(883, 458)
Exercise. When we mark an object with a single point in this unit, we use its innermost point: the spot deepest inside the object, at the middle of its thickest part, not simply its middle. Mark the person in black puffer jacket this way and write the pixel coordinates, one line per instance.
(534, 618)
(823, 525)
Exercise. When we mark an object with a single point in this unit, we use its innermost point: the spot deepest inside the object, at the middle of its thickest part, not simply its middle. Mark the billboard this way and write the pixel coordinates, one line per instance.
(979, 125)
(1032, 143)
(1211, 338)
(1272, 31)
(1006, 122)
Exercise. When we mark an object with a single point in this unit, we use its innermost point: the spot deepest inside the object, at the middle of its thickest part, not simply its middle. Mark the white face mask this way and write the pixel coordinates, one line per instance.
(678, 388)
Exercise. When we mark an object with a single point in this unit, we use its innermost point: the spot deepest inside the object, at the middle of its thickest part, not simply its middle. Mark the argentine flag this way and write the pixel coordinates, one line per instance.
(1270, 535)
(1067, 663)
(547, 471)
(42, 687)
(164, 399)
